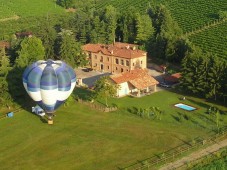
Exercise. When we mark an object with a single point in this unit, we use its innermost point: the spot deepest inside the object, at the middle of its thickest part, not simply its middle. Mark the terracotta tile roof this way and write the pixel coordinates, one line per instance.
(173, 78)
(125, 45)
(4, 44)
(23, 34)
(122, 50)
(139, 78)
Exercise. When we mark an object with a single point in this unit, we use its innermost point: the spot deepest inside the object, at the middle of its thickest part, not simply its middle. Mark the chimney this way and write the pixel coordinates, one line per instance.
(114, 41)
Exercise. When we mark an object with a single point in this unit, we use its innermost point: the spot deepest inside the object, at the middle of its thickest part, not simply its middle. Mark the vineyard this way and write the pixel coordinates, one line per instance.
(213, 40)
(140, 5)
(192, 14)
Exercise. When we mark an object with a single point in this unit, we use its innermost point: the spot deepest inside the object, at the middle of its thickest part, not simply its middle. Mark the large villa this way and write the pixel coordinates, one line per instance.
(115, 58)
(126, 63)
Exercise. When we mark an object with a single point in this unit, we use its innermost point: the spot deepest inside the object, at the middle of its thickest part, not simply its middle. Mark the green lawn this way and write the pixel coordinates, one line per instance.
(82, 138)
(26, 8)
(29, 13)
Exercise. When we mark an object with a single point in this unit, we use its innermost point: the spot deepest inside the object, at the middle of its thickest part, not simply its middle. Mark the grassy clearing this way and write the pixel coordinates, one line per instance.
(26, 15)
(27, 8)
(165, 101)
(86, 139)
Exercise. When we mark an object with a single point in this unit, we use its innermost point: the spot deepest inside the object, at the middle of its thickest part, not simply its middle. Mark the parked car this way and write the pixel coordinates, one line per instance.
(87, 69)
(163, 84)
(38, 110)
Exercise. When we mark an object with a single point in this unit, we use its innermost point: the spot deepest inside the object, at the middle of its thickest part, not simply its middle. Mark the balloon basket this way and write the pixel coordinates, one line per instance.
(50, 122)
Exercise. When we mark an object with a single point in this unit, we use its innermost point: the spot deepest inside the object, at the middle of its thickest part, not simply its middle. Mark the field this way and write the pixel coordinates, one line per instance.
(17, 15)
(82, 138)
(27, 8)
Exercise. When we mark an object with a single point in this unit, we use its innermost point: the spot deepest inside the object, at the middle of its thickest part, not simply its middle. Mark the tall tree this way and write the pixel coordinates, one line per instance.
(4, 69)
(104, 88)
(167, 31)
(48, 36)
(126, 29)
(178, 49)
(70, 49)
(65, 3)
(144, 28)
(224, 83)
(110, 19)
(214, 77)
(194, 72)
(31, 50)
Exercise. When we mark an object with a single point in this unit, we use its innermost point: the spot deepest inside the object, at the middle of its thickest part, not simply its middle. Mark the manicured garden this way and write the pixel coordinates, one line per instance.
(82, 138)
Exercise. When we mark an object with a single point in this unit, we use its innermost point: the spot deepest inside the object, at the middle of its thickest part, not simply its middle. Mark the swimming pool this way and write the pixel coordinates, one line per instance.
(185, 107)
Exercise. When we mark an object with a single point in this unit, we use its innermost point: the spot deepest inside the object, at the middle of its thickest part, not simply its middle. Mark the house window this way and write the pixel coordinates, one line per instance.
(101, 60)
(108, 59)
(95, 56)
(133, 64)
(122, 70)
(122, 62)
(127, 62)
(108, 67)
(116, 68)
(141, 62)
(117, 62)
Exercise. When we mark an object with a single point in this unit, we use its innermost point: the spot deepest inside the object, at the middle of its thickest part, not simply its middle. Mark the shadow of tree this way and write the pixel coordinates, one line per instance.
(83, 93)
(176, 118)
(133, 110)
(201, 104)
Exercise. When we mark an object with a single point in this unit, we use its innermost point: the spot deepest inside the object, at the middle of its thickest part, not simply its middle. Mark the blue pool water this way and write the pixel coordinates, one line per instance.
(185, 107)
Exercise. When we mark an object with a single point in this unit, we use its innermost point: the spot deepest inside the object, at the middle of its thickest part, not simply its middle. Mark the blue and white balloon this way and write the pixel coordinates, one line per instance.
(49, 83)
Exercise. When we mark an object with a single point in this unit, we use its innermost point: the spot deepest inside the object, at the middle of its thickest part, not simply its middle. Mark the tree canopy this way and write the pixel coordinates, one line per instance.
(105, 88)
(31, 50)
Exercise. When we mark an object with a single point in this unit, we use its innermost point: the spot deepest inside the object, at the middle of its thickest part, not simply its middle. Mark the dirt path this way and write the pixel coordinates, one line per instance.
(196, 155)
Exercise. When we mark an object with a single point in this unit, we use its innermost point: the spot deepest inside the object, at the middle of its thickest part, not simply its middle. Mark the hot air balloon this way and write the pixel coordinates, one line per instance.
(49, 83)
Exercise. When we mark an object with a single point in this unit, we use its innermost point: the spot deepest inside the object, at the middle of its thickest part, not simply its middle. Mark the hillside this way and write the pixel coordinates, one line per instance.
(191, 15)
(27, 8)
(213, 39)
(17, 15)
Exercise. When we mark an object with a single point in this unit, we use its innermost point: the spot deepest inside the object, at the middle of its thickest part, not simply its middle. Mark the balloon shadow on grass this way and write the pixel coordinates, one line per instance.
(18, 94)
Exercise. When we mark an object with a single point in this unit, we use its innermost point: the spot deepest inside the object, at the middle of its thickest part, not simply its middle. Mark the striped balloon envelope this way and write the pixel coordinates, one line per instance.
(49, 83)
